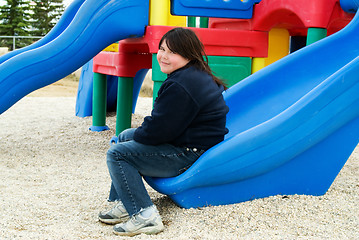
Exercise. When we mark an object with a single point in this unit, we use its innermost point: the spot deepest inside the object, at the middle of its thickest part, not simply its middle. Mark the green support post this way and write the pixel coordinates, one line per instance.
(99, 103)
(191, 21)
(124, 104)
(203, 22)
(315, 34)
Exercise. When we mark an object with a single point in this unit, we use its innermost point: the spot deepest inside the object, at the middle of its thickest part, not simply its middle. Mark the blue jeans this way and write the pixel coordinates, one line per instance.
(129, 160)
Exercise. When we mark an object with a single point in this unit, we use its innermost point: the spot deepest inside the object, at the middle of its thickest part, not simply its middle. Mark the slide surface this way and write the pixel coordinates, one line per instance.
(86, 28)
(292, 126)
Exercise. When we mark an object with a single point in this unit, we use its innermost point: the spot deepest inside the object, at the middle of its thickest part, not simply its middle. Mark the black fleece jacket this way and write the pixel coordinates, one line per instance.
(189, 112)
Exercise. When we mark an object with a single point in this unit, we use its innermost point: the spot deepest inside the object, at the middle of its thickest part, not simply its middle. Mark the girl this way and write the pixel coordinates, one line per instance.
(188, 117)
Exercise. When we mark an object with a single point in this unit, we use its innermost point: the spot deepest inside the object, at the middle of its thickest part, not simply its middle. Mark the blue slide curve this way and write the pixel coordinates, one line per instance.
(86, 28)
(292, 126)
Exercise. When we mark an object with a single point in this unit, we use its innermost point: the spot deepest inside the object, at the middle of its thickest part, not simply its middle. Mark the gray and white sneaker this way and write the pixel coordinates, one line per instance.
(140, 224)
(115, 215)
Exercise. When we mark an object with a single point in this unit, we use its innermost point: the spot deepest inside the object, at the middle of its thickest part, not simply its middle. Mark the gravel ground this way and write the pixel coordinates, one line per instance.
(54, 181)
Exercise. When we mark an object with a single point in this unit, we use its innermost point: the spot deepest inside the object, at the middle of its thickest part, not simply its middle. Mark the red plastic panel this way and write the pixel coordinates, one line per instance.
(121, 64)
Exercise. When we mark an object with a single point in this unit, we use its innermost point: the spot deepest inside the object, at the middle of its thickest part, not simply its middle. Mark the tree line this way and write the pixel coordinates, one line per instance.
(28, 18)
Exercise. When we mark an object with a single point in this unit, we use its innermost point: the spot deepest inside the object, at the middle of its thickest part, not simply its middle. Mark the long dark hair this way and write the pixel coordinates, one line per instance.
(185, 42)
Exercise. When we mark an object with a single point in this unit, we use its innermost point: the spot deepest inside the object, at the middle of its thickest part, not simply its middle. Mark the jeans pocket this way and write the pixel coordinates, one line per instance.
(192, 155)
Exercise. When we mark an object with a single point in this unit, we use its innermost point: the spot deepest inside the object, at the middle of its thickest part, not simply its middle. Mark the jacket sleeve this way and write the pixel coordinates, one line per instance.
(173, 111)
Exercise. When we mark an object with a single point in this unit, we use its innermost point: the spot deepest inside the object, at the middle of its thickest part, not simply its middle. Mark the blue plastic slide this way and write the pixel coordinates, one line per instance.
(292, 126)
(94, 26)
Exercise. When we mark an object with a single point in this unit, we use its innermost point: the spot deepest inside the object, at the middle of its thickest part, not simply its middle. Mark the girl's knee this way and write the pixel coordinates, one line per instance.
(113, 152)
(117, 151)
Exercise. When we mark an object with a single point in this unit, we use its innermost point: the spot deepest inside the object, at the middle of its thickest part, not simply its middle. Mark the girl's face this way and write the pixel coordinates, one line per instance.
(168, 60)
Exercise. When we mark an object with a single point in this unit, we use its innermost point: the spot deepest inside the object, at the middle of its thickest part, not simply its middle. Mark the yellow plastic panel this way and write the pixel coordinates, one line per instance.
(278, 46)
(160, 14)
(258, 64)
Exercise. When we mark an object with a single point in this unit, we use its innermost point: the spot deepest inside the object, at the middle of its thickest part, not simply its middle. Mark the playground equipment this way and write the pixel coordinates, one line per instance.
(292, 124)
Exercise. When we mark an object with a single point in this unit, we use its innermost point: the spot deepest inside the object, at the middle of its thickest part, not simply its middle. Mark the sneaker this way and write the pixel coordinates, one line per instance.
(139, 224)
(115, 215)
